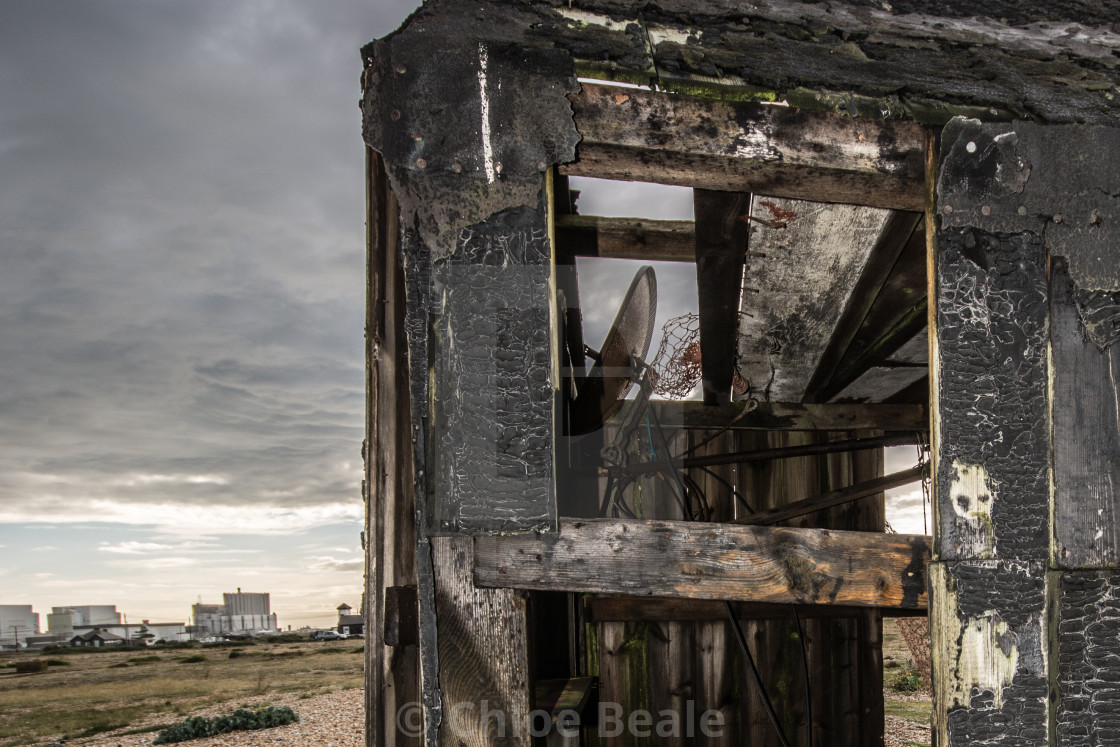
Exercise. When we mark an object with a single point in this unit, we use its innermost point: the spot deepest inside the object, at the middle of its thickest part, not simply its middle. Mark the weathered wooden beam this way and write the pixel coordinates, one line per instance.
(833, 498)
(646, 609)
(626, 238)
(896, 234)
(897, 313)
(791, 416)
(483, 653)
(647, 136)
(721, 246)
(804, 267)
(392, 672)
(699, 560)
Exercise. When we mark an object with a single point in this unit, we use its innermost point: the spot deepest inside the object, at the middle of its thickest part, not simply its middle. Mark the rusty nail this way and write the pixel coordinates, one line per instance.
(1022, 210)
(421, 163)
(457, 167)
(400, 69)
(971, 147)
(948, 208)
(541, 165)
(417, 137)
(395, 115)
(498, 167)
(1059, 218)
(986, 210)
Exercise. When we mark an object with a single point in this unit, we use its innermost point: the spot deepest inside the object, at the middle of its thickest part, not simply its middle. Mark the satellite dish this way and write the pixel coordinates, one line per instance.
(619, 362)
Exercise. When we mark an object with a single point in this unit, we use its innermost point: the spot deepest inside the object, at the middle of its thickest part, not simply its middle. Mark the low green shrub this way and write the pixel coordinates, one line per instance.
(285, 638)
(120, 665)
(58, 663)
(31, 666)
(235, 654)
(142, 659)
(908, 681)
(242, 719)
(192, 659)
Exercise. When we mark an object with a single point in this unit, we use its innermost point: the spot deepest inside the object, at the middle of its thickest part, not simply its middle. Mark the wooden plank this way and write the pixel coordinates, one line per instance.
(483, 653)
(1086, 402)
(791, 416)
(808, 271)
(833, 498)
(897, 232)
(647, 609)
(881, 382)
(748, 147)
(392, 673)
(626, 238)
(897, 315)
(698, 560)
(721, 246)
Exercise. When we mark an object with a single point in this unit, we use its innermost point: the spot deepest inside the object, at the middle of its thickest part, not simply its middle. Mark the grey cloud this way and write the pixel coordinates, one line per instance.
(182, 232)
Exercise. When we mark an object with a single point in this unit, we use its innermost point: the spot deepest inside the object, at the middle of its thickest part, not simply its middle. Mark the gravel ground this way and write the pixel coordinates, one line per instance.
(331, 720)
(336, 720)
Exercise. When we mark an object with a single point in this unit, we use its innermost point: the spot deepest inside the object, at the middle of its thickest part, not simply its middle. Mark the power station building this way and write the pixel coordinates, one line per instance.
(242, 612)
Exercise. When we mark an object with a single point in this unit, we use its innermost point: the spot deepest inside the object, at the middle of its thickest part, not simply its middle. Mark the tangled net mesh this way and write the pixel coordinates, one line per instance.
(675, 370)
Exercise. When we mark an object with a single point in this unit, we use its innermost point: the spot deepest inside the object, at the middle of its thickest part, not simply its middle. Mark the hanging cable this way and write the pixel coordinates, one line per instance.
(805, 670)
(730, 486)
(755, 676)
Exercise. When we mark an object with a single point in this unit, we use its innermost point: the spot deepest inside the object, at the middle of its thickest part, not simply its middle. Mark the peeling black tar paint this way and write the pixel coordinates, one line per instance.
(1088, 630)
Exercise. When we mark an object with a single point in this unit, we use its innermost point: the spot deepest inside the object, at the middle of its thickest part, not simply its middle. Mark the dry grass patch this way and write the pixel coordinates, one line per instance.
(92, 695)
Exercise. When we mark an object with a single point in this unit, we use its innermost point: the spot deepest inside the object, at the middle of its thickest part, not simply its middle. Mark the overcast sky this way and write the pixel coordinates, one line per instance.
(181, 229)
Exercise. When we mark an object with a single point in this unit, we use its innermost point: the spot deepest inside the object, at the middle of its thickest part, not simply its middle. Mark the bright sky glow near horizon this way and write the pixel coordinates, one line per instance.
(182, 233)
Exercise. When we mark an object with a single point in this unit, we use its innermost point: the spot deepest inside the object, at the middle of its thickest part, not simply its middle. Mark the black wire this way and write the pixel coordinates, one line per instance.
(732, 488)
(805, 669)
(753, 669)
(704, 507)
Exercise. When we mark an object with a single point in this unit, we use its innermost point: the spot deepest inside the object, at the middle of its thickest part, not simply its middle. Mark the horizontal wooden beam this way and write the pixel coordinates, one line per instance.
(781, 452)
(648, 136)
(626, 238)
(791, 416)
(646, 609)
(699, 560)
(834, 498)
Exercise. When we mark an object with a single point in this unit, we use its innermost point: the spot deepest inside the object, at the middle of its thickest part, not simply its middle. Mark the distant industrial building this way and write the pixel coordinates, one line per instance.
(17, 622)
(66, 620)
(240, 613)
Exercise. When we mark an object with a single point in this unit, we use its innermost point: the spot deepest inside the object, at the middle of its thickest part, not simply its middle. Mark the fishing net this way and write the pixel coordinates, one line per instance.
(676, 368)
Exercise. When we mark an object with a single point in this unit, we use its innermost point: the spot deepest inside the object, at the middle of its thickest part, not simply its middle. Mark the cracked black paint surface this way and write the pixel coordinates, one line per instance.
(992, 340)
(1088, 711)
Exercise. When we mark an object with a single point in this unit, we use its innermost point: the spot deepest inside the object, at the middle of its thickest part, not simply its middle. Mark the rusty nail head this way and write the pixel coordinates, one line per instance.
(395, 115)
(400, 69)
(421, 163)
(971, 147)
(1022, 210)
(1059, 218)
(986, 210)
(948, 208)
(498, 167)
(416, 136)
(457, 167)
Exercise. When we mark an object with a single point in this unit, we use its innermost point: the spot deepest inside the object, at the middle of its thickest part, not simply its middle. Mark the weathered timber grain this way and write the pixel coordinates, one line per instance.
(805, 261)
(747, 147)
(626, 238)
(792, 416)
(721, 244)
(646, 609)
(695, 560)
(897, 313)
(392, 674)
(1086, 436)
(483, 654)
(896, 233)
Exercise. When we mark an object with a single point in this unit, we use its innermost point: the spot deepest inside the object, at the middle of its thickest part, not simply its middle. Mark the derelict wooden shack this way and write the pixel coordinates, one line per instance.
(905, 232)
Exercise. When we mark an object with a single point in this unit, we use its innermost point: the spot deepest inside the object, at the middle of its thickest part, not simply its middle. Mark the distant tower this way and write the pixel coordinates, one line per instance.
(343, 610)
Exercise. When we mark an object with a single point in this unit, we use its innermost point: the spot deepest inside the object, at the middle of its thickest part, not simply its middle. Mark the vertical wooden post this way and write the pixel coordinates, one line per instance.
(392, 676)
(991, 450)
